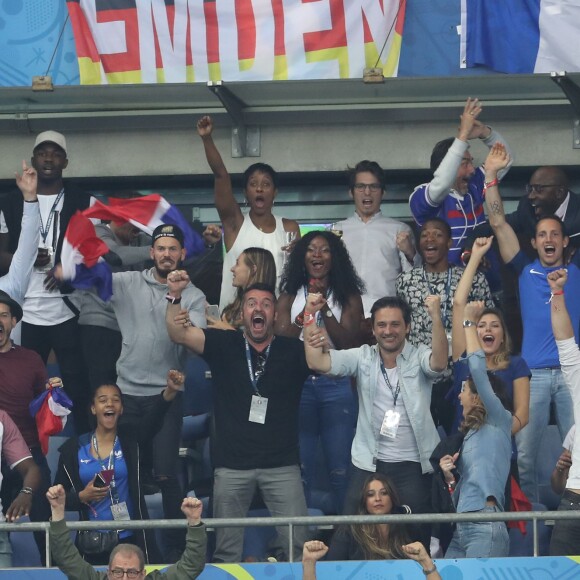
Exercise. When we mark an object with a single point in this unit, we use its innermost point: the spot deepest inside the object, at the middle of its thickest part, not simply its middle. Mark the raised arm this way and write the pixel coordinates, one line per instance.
(445, 174)
(480, 248)
(439, 345)
(509, 245)
(283, 325)
(181, 332)
(478, 368)
(225, 202)
(63, 550)
(192, 562)
(561, 323)
(311, 553)
(15, 282)
(345, 333)
(317, 358)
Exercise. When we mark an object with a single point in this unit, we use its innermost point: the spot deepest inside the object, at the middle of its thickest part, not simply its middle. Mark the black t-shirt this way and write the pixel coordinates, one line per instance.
(237, 442)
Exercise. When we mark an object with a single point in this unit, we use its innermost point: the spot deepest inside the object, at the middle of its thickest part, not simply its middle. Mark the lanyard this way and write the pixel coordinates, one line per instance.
(44, 231)
(111, 465)
(250, 367)
(447, 291)
(397, 388)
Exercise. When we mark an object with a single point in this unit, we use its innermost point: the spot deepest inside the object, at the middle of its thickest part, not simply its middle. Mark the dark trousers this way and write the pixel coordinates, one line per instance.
(162, 455)
(40, 510)
(413, 487)
(566, 535)
(101, 350)
(64, 339)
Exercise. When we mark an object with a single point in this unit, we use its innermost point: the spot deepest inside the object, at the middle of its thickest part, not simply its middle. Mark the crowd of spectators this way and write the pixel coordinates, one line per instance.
(390, 354)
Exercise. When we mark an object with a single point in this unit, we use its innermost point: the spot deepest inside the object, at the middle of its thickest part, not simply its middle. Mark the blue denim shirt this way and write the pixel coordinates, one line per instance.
(416, 379)
(484, 461)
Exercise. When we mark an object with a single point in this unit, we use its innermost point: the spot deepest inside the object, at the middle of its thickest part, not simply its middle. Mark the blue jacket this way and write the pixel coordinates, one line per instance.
(484, 461)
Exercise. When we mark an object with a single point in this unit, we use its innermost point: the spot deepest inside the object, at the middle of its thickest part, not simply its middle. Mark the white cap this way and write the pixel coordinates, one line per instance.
(51, 137)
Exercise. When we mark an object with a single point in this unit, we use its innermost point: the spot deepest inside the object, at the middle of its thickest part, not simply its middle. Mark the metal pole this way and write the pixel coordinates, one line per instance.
(290, 542)
(536, 540)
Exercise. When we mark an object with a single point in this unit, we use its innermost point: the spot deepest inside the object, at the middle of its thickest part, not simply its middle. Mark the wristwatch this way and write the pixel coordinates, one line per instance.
(467, 323)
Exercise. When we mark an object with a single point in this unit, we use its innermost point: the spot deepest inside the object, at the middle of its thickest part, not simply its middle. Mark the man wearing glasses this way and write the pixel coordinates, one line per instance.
(127, 560)
(379, 246)
(547, 193)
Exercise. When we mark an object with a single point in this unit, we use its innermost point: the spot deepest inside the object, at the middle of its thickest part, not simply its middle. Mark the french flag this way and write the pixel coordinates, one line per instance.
(81, 258)
(146, 213)
(523, 36)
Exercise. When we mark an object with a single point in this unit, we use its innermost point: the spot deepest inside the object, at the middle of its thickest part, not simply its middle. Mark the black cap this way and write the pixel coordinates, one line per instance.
(168, 231)
(15, 308)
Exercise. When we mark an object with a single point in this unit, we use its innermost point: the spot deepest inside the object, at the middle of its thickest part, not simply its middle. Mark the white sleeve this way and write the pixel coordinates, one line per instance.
(15, 282)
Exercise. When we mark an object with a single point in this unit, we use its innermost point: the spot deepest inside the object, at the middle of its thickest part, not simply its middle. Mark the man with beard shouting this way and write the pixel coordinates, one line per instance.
(257, 380)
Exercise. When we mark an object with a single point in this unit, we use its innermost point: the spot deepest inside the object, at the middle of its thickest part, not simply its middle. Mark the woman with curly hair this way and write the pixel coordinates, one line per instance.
(476, 475)
(253, 265)
(328, 408)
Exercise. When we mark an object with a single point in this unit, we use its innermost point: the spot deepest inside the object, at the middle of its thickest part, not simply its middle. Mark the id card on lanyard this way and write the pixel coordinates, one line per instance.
(119, 509)
(392, 418)
(259, 404)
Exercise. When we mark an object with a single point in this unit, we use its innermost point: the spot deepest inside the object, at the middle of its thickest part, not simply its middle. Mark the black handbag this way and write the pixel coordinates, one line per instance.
(96, 541)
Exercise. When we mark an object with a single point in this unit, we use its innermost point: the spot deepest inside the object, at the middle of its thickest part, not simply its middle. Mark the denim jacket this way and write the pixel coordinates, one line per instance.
(484, 461)
(416, 380)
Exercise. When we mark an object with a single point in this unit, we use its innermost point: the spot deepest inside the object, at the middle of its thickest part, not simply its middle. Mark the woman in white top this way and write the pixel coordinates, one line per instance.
(260, 227)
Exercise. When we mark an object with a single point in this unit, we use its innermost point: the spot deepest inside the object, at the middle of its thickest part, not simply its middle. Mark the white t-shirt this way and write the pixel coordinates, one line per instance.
(404, 446)
(40, 306)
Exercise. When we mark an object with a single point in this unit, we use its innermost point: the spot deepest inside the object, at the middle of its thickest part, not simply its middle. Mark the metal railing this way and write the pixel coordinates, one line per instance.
(313, 521)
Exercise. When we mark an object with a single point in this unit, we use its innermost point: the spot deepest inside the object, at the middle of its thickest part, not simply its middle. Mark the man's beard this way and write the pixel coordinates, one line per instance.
(164, 273)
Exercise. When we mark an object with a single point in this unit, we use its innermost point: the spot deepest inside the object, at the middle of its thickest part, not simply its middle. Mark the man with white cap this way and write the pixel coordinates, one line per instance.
(50, 318)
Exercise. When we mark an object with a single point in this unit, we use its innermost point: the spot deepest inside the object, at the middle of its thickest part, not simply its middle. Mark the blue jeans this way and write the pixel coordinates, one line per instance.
(479, 539)
(546, 385)
(328, 411)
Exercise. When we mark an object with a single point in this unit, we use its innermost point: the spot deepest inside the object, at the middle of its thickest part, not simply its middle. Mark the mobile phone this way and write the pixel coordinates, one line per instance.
(103, 478)
(213, 311)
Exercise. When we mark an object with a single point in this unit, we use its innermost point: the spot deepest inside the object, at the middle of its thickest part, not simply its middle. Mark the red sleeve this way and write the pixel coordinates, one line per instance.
(14, 448)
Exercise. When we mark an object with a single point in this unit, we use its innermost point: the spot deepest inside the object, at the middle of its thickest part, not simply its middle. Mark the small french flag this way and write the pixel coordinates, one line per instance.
(81, 258)
(146, 213)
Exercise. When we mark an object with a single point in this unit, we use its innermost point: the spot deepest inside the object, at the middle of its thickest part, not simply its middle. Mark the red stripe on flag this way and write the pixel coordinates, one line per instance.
(333, 38)
(84, 43)
(212, 32)
(246, 29)
(131, 59)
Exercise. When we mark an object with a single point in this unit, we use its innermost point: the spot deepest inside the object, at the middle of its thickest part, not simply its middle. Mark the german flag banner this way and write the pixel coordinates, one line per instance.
(183, 41)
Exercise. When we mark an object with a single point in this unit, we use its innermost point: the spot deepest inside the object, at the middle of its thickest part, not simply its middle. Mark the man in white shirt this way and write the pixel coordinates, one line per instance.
(50, 318)
(380, 247)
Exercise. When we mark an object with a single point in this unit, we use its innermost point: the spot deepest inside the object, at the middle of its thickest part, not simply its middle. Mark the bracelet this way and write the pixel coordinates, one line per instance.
(518, 420)
(309, 318)
(31, 200)
(173, 299)
(431, 570)
(552, 294)
(26, 490)
(451, 486)
(488, 184)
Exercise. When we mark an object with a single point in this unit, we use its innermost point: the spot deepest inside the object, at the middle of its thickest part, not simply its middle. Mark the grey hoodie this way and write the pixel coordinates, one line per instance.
(148, 352)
